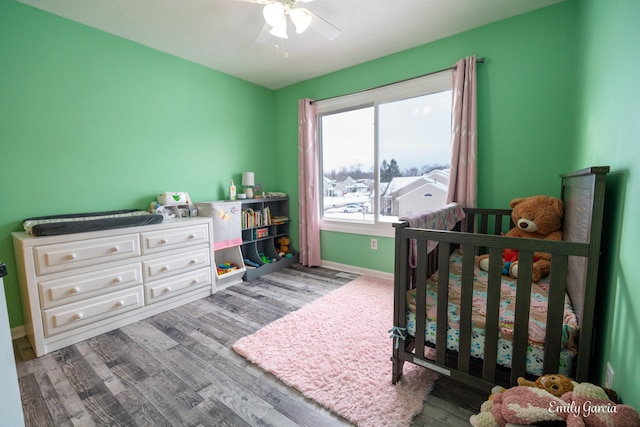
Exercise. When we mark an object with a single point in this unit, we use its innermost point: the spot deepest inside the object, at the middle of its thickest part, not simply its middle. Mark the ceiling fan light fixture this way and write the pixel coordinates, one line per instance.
(280, 30)
(274, 13)
(301, 19)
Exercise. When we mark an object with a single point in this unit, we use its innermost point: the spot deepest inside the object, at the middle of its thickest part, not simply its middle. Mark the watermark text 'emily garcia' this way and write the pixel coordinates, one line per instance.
(584, 410)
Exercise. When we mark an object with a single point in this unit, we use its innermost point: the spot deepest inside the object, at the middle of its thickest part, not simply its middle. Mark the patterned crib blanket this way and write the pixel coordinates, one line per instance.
(537, 317)
(444, 218)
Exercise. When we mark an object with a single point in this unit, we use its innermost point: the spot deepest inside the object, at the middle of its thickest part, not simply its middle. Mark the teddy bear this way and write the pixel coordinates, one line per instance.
(284, 246)
(555, 384)
(535, 217)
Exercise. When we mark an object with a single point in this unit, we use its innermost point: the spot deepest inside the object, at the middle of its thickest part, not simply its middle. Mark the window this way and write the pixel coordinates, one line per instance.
(384, 154)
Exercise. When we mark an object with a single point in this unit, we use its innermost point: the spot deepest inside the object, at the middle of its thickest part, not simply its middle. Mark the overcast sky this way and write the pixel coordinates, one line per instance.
(417, 122)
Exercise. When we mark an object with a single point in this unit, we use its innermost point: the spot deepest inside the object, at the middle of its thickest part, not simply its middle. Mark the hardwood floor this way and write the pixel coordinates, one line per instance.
(178, 369)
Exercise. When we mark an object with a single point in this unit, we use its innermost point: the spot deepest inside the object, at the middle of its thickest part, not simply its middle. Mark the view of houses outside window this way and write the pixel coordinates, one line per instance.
(399, 167)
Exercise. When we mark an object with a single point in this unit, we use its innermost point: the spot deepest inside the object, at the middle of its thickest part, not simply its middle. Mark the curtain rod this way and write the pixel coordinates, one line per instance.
(478, 61)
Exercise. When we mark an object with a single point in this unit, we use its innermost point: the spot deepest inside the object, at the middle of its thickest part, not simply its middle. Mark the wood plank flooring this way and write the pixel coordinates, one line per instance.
(178, 369)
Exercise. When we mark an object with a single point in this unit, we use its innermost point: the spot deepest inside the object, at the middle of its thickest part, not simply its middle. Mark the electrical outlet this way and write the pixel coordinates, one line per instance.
(374, 244)
(608, 379)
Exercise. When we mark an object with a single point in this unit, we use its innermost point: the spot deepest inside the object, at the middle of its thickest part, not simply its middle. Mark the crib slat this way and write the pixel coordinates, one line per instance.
(466, 306)
(492, 317)
(555, 313)
(421, 296)
(483, 227)
(497, 225)
(443, 302)
(521, 317)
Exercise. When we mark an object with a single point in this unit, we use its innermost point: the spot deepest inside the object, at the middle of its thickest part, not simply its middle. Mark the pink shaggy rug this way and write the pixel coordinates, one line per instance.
(336, 350)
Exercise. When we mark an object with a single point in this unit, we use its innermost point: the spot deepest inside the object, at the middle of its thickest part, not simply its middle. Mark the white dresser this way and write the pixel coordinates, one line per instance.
(76, 286)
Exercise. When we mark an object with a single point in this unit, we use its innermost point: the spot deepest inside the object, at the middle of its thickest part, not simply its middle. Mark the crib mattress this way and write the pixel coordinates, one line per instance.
(537, 318)
(93, 221)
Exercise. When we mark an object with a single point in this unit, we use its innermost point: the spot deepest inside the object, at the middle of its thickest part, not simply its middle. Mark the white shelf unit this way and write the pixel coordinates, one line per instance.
(227, 238)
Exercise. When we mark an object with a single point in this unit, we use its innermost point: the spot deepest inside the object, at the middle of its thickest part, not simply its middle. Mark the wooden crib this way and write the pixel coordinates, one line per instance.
(574, 271)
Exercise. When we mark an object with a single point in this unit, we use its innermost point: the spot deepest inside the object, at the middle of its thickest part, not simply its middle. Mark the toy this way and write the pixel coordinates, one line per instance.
(596, 409)
(536, 217)
(250, 263)
(284, 246)
(555, 384)
(586, 405)
(266, 259)
(226, 267)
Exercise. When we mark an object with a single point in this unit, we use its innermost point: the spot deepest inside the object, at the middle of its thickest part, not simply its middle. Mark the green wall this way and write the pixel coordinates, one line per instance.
(608, 132)
(90, 121)
(525, 104)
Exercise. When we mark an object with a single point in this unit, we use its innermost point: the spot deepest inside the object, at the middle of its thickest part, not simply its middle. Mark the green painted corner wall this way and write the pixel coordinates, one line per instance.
(90, 122)
(525, 104)
(608, 131)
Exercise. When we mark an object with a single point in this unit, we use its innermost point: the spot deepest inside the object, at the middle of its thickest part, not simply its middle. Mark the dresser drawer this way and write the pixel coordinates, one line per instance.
(167, 288)
(81, 253)
(81, 286)
(74, 315)
(157, 241)
(158, 268)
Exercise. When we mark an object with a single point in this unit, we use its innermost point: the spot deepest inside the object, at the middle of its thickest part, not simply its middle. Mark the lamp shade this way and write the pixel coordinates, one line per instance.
(248, 179)
(280, 30)
(301, 19)
(273, 13)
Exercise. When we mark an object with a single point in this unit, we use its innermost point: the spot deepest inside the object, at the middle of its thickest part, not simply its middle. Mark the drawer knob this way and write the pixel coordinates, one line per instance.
(165, 268)
(194, 281)
(72, 256)
(193, 261)
(119, 304)
(117, 279)
(77, 316)
(163, 241)
(74, 290)
(166, 290)
(115, 249)
(192, 236)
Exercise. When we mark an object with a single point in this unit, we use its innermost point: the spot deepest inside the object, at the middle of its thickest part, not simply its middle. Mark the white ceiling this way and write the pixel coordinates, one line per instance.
(220, 34)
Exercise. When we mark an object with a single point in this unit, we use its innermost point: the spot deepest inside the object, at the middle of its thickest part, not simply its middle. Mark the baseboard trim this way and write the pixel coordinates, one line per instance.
(18, 332)
(356, 270)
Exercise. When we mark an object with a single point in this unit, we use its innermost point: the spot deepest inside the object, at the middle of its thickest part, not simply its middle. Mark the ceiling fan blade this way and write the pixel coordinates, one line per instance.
(264, 36)
(323, 27)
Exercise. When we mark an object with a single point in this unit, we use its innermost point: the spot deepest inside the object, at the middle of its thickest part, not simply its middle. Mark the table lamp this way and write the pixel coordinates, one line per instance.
(248, 183)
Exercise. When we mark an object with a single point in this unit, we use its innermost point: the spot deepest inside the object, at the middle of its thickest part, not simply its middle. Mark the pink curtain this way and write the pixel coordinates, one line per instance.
(308, 185)
(463, 187)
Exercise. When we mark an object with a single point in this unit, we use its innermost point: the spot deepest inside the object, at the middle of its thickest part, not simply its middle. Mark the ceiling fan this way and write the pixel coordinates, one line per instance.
(278, 13)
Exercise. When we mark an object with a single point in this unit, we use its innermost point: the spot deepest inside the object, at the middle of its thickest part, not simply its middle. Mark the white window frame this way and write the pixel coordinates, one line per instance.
(419, 86)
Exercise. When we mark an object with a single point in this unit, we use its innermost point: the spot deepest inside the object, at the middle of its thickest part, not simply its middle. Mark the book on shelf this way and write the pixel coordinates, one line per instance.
(260, 233)
(279, 219)
(253, 218)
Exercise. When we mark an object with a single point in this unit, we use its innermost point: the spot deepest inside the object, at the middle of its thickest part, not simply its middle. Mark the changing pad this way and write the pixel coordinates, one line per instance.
(92, 221)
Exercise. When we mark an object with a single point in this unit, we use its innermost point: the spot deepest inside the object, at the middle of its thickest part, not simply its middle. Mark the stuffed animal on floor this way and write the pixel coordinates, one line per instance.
(284, 246)
(586, 405)
(555, 384)
(536, 217)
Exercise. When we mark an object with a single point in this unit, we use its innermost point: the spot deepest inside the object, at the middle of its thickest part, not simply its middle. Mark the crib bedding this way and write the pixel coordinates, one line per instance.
(537, 320)
(93, 221)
